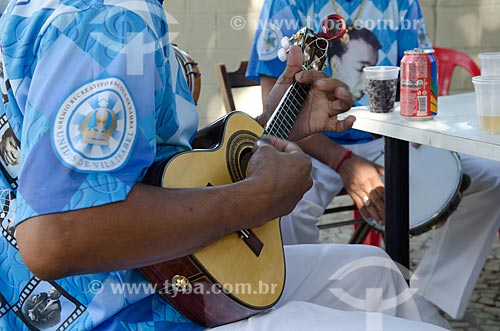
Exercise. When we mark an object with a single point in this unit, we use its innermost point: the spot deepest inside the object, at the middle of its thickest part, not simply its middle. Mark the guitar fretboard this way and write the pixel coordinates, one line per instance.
(281, 123)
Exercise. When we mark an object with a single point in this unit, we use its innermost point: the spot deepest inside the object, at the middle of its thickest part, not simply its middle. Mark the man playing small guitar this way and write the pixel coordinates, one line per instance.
(91, 122)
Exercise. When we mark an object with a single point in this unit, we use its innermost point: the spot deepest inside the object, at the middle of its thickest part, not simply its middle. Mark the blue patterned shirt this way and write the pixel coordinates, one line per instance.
(92, 96)
(397, 25)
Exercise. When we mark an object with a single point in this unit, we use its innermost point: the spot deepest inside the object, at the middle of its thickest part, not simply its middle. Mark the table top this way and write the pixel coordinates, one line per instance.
(455, 127)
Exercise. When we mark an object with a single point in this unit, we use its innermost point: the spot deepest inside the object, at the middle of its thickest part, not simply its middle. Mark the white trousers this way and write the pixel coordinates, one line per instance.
(339, 287)
(448, 272)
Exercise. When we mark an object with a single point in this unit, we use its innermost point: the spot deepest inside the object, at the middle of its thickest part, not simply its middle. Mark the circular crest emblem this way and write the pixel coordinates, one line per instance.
(95, 127)
(269, 42)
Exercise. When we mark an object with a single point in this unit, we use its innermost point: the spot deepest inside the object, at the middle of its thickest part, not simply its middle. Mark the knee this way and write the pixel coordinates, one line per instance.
(376, 258)
(491, 173)
(370, 251)
(485, 175)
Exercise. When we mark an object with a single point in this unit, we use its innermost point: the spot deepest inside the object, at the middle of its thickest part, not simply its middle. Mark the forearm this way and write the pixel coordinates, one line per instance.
(152, 225)
(323, 149)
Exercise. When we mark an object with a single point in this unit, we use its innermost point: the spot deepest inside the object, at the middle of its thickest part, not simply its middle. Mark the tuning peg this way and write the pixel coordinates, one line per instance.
(282, 54)
(285, 42)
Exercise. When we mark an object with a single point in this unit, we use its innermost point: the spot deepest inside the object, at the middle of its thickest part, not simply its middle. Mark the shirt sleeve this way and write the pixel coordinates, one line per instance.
(277, 19)
(89, 121)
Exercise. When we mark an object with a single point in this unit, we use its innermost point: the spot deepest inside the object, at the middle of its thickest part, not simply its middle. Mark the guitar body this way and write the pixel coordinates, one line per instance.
(242, 273)
(227, 280)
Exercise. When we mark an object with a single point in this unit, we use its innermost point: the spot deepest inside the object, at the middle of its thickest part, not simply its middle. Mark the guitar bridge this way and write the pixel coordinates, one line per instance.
(252, 241)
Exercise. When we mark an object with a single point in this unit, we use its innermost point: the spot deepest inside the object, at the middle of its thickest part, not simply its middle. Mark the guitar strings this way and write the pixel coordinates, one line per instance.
(292, 116)
(282, 123)
(323, 47)
(274, 128)
(288, 112)
(283, 112)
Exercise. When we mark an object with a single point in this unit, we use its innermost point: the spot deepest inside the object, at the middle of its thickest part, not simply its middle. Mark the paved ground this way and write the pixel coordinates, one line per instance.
(483, 313)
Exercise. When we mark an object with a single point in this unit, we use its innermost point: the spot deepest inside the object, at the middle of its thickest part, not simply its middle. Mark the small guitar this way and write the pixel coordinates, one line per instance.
(243, 273)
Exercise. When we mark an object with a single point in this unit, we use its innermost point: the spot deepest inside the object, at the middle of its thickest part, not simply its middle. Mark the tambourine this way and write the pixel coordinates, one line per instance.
(431, 204)
(191, 71)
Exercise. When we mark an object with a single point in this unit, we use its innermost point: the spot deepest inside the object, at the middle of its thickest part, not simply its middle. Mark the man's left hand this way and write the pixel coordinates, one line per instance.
(327, 98)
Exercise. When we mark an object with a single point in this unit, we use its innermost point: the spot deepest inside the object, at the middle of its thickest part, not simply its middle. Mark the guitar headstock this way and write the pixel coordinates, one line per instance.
(315, 45)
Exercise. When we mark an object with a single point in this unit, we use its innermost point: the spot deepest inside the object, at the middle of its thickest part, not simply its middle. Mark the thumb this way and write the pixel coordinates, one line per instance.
(293, 66)
(280, 145)
(380, 170)
(294, 62)
(283, 145)
(335, 125)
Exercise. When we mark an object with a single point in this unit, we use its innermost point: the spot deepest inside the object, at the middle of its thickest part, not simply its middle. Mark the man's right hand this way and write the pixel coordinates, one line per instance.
(283, 174)
(363, 183)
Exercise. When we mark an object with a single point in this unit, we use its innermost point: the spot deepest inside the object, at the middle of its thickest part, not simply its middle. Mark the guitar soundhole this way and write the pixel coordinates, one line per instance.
(239, 151)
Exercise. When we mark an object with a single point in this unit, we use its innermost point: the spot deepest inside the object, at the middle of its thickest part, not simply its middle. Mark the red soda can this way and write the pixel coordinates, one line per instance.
(419, 84)
(434, 80)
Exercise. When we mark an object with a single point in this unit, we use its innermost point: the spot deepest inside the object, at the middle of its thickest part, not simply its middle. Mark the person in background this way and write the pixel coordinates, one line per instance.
(450, 268)
(96, 98)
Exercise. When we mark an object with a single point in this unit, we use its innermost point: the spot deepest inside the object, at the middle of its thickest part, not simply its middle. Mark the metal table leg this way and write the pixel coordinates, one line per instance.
(397, 205)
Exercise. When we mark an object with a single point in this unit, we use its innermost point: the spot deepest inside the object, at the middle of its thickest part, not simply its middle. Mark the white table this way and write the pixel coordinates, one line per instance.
(455, 128)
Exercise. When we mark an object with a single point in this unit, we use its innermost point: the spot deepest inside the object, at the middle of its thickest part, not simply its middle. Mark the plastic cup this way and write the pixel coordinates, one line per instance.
(490, 63)
(488, 102)
(381, 86)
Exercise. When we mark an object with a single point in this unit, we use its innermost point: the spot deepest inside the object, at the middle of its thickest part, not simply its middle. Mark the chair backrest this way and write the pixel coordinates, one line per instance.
(448, 59)
(233, 79)
(191, 71)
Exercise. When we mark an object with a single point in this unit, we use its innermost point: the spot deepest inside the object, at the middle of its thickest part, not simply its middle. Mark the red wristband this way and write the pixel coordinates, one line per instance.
(347, 154)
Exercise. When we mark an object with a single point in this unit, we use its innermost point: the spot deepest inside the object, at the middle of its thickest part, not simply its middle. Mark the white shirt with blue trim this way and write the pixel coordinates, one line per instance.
(397, 25)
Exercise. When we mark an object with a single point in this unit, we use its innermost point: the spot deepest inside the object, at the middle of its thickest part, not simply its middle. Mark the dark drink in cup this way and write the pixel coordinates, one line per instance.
(383, 94)
(382, 82)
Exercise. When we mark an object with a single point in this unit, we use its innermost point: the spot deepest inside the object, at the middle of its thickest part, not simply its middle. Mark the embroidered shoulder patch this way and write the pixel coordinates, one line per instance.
(269, 42)
(95, 127)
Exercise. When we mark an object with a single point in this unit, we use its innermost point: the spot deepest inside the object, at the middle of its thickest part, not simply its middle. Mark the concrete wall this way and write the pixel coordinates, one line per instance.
(221, 31)
(471, 26)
